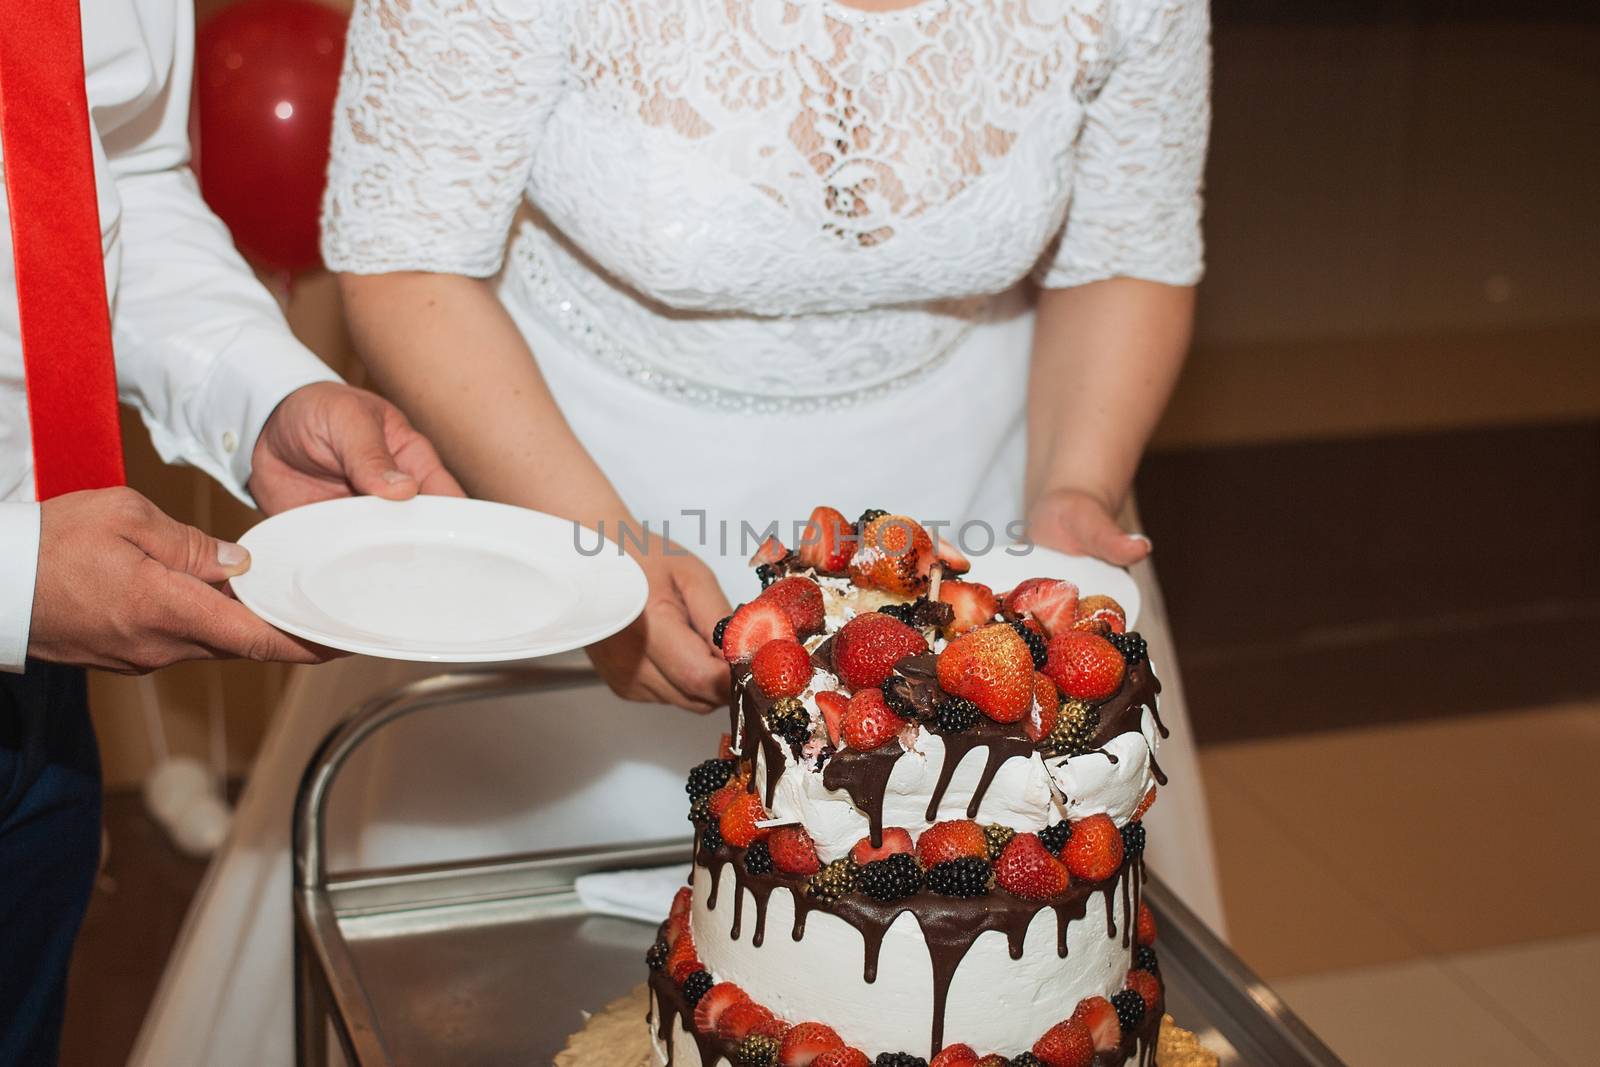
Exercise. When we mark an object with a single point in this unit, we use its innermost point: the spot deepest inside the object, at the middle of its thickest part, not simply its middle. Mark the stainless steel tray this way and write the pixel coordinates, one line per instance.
(493, 963)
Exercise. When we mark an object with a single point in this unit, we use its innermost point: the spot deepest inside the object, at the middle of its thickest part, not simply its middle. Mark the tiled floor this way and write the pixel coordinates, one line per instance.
(1417, 891)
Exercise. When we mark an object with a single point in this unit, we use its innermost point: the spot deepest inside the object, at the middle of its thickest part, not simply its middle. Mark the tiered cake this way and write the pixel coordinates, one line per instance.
(921, 841)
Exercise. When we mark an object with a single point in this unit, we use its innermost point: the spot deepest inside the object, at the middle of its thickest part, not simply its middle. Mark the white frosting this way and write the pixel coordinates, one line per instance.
(1091, 784)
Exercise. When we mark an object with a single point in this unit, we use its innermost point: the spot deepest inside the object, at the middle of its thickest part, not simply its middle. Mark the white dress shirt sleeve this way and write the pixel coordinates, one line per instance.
(19, 557)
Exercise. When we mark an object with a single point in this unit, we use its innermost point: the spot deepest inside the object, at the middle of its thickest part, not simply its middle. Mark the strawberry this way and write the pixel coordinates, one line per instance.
(974, 604)
(793, 851)
(1027, 869)
(1066, 1044)
(678, 918)
(801, 600)
(1101, 1018)
(993, 1059)
(828, 542)
(868, 722)
(1046, 709)
(1146, 926)
(718, 802)
(738, 822)
(894, 555)
(844, 1056)
(715, 1004)
(1100, 609)
(725, 747)
(782, 668)
(1094, 851)
(774, 1028)
(1145, 804)
(752, 626)
(952, 840)
(805, 1044)
(1147, 985)
(832, 705)
(771, 551)
(1052, 601)
(682, 959)
(867, 647)
(951, 557)
(895, 839)
(1085, 666)
(955, 1056)
(741, 1019)
(991, 667)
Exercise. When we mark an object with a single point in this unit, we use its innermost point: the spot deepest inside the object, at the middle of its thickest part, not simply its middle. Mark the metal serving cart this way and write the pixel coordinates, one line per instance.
(493, 963)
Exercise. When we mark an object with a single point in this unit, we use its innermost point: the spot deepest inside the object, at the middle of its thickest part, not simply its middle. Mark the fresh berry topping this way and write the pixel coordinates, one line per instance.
(756, 1050)
(1145, 804)
(719, 629)
(868, 722)
(718, 802)
(955, 1056)
(718, 1001)
(828, 542)
(1133, 647)
(1130, 1008)
(696, 986)
(867, 647)
(1066, 1044)
(738, 823)
(1074, 731)
(682, 960)
(1101, 610)
(1133, 838)
(952, 840)
(1144, 959)
(1051, 601)
(897, 695)
(972, 605)
(740, 1020)
(708, 777)
(998, 836)
(970, 877)
(758, 858)
(951, 557)
(832, 705)
(1027, 869)
(1148, 986)
(768, 573)
(1038, 645)
(994, 1059)
(990, 666)
(725, 747)
(955, 714)
(710, 837)
(896, 839)
(1024, 1059)
(1094, 853)
(656, 957)
(833, 881)
(894, 555)
(899, 1059)
(751, 627)
(678, 917)
(1146, 926)
(892, 879)
(805, 1042)
(781, 668)
(1045, 712)
(842, 1057)
(801, 600)
(1101, 1018)
(788, 719)
(1056, 835)
(868, 516)
(1084, 666)
(771, 551)
(793, 851)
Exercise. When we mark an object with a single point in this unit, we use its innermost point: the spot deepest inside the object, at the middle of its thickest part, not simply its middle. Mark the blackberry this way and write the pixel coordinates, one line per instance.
(787, 718)
(1133, 839)
(1133, 647)
(1144, 959)
(868, 515)
(833, 881)
(720, 629)
(708, 777)
(655, 957)
(768, 573)
(892, 879)
(758, 858)
(757, 1050)
(1130, 1008)
(1056, 836)
(1074, 730)
(710, 836)
(1025, 1059)
(894, 695)
(998, 837)
(1037, 648)
(899, 1059)
(906, 613)
(955, 714)
(700, 811)
(966, 877)
(697, 985)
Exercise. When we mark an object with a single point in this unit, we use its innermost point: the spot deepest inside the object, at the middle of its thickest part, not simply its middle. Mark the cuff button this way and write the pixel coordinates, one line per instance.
(229, 442)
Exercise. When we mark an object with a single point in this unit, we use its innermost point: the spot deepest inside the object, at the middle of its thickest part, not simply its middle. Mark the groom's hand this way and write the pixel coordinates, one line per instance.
(330, 440)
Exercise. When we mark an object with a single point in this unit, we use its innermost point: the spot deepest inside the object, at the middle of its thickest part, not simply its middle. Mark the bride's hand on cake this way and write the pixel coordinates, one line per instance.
(1082, 523)
(666, 655)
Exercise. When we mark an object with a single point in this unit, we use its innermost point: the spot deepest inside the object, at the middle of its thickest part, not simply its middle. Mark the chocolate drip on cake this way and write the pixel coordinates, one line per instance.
(1003, 744)
(865, 777)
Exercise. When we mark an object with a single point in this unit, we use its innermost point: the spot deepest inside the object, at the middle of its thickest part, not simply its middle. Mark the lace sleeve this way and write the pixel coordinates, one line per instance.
(1136, 198)
(439, 111)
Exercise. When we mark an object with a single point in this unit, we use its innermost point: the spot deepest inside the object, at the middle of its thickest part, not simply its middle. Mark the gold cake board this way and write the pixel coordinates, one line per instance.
(617, 1036)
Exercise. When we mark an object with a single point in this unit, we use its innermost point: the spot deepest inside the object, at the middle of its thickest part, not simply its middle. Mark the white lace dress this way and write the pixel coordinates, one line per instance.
(773, 253)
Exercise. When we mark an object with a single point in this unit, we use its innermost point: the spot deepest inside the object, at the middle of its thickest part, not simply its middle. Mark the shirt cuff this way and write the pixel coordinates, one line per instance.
(19, 567)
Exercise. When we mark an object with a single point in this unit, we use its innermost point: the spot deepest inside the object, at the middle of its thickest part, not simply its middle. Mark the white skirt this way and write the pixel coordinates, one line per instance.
(586, 767)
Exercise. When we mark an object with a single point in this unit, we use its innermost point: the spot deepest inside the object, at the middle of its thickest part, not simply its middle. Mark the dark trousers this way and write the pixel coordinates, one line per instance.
(49, 851)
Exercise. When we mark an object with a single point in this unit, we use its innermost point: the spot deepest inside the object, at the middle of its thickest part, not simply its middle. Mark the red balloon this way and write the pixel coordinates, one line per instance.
(266, 74)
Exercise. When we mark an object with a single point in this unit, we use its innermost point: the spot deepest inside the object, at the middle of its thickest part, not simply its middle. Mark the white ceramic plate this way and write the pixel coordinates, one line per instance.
(437, 579)
(1000, 570)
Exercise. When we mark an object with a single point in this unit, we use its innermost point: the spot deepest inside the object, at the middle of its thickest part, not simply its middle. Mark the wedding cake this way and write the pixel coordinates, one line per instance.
(921, 841)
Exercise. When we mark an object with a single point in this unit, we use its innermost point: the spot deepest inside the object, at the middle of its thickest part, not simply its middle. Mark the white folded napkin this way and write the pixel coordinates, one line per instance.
(644, 894)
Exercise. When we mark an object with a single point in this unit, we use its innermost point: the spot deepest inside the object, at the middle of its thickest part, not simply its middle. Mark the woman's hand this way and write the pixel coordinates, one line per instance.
(1081, 523)
(666, 655)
